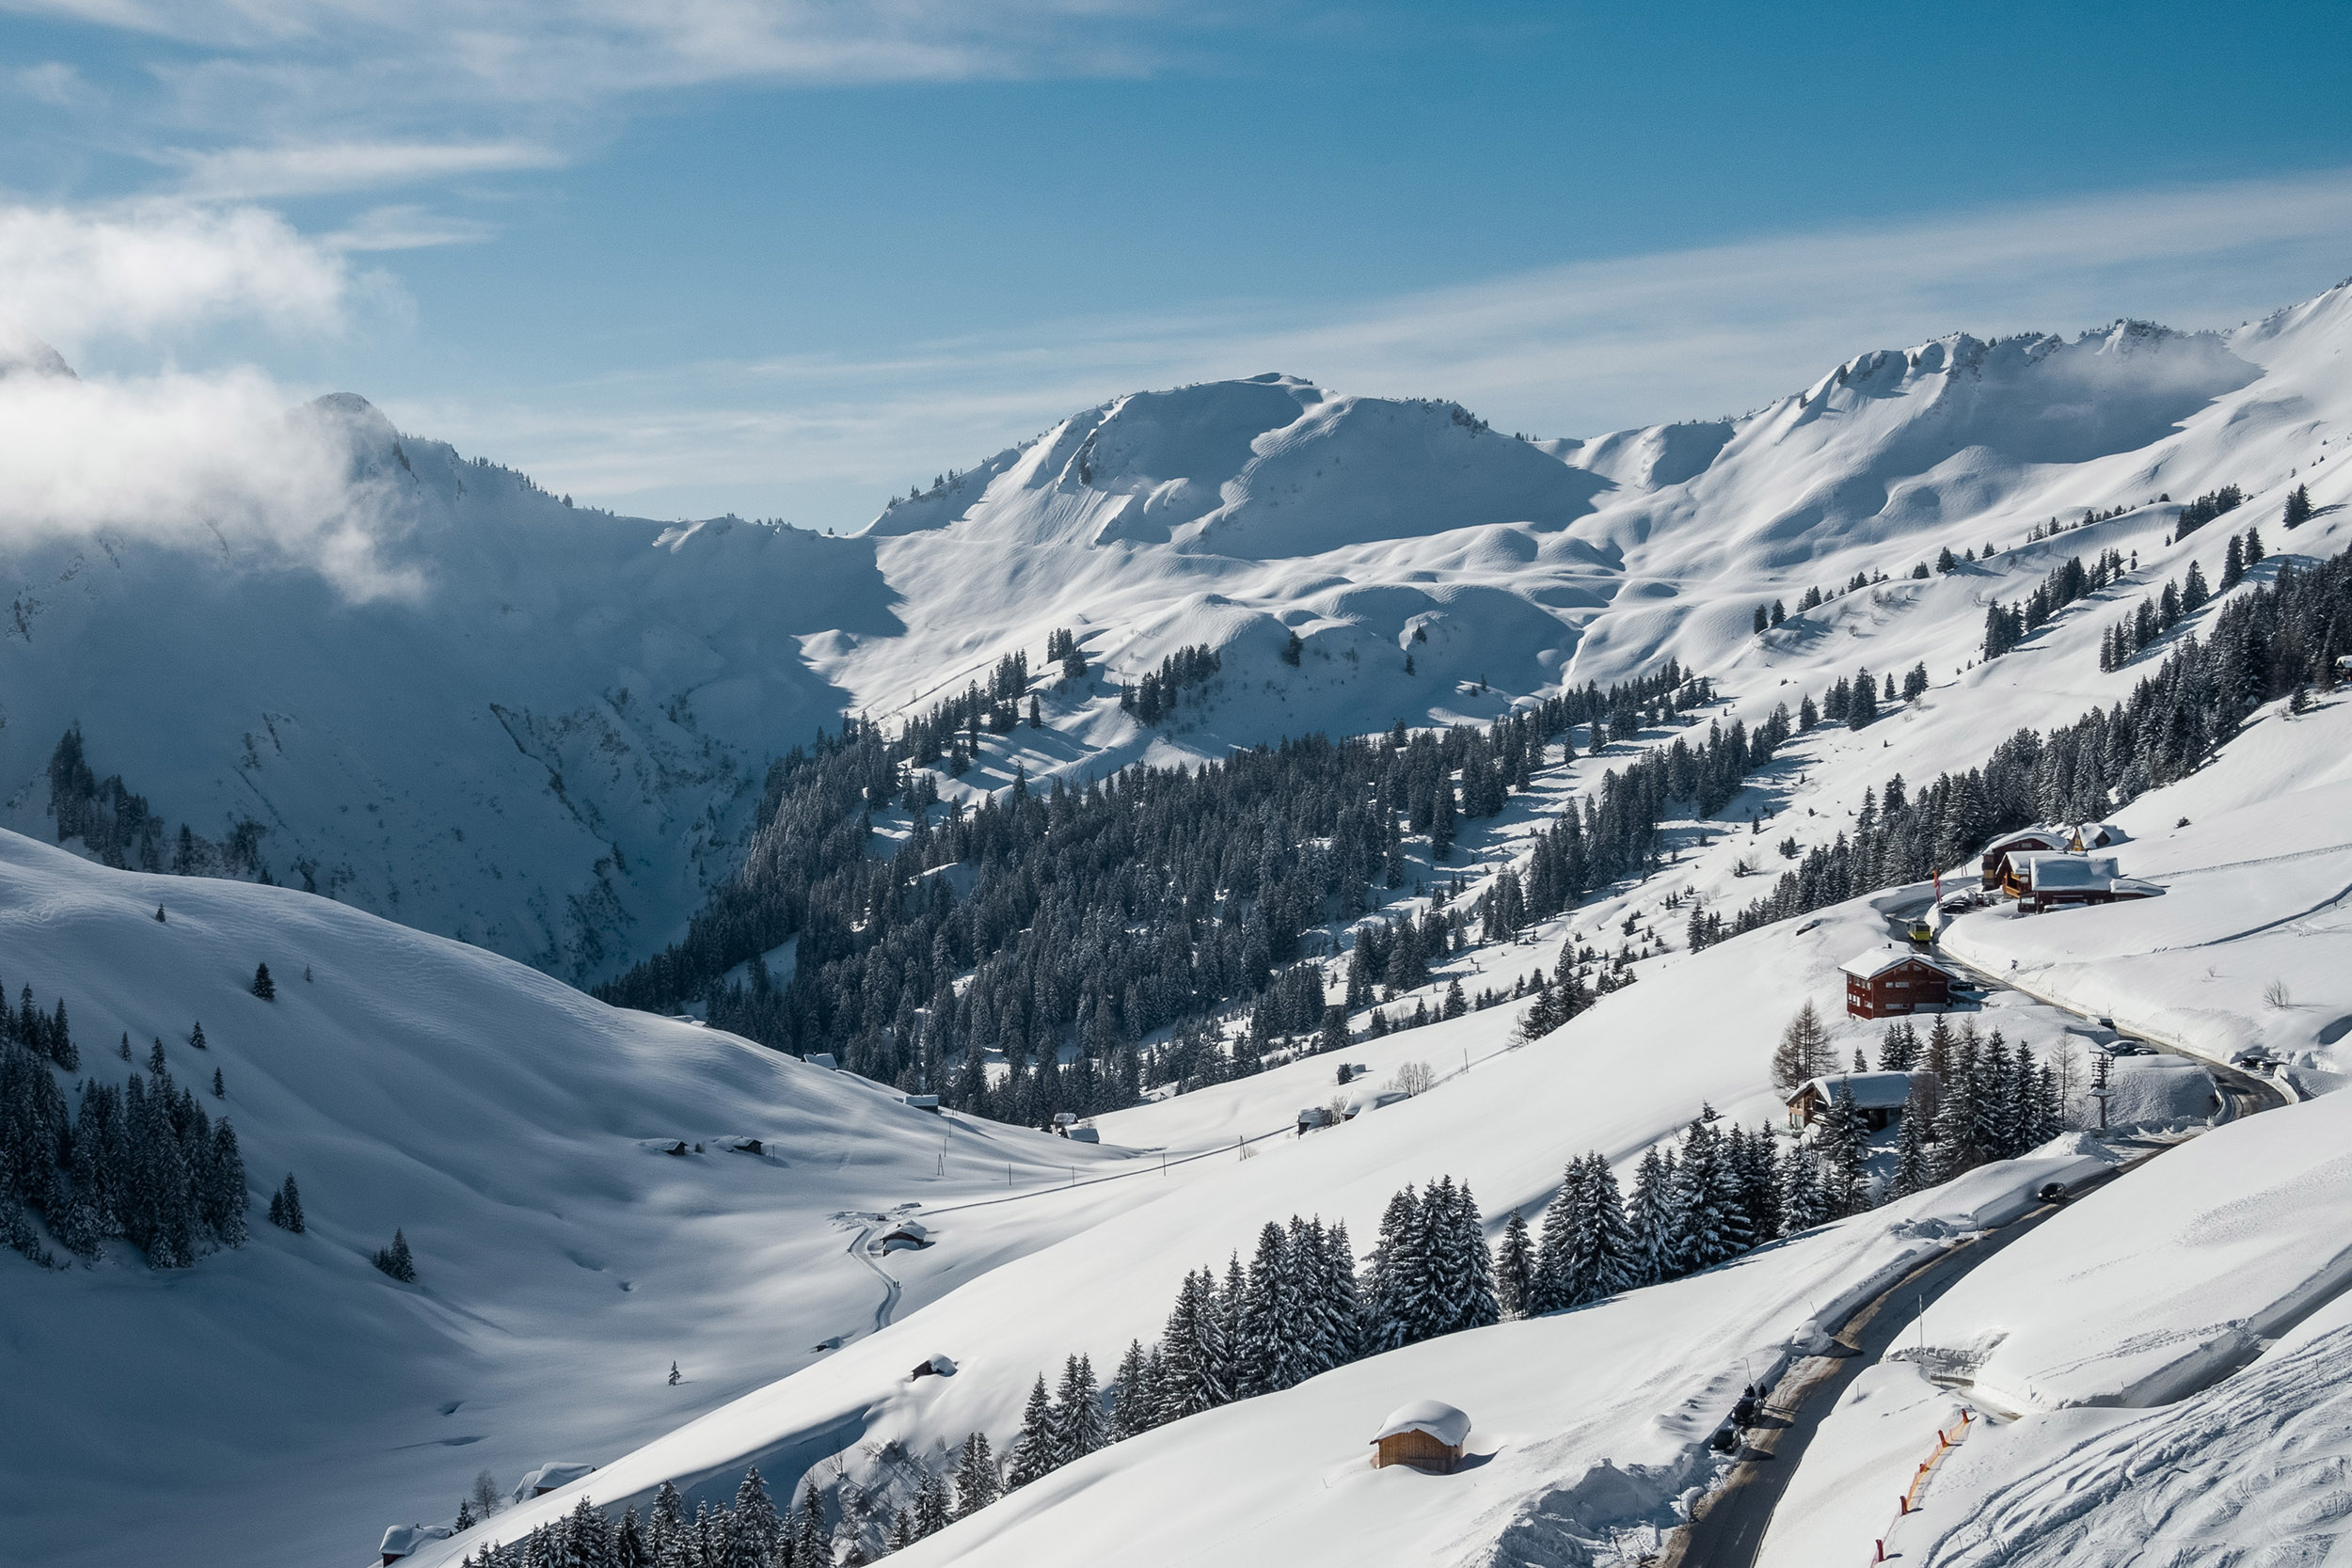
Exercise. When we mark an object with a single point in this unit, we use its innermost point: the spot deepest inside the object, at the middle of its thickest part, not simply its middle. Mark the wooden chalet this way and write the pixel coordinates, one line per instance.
(1890, 981)
(2040, 883)
(1996, 864)
(1878, 1098)
(1425, 1435)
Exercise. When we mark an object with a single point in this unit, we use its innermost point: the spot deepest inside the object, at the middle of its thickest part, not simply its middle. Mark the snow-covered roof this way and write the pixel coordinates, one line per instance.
(2050, 872)
(547, 1477)
(915, 1228)
(1878, 960)
(2132, 887)
(1866, 1091)
(2047, 834)
(402, 1539)
(1442, 1422)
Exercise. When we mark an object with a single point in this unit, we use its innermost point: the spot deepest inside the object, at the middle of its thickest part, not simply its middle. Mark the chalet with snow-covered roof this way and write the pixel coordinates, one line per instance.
(904, 1236)
(1425, 1435)
(2077, 839)
(1878, 1098)
(1887, 982)
(2070, 881)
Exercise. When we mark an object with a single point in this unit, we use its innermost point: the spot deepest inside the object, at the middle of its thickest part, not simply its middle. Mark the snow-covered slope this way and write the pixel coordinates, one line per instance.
(572, 737)
(266, 1403)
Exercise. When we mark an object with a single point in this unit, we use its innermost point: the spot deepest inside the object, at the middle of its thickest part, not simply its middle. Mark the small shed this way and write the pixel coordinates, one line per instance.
(924, 1102)
(1890, 981)
(407, 1540)
(1425, 1435)
(1083, 1135)
(549, 1477)
(1878, 1097)
(821, 1058)
(905, 1234)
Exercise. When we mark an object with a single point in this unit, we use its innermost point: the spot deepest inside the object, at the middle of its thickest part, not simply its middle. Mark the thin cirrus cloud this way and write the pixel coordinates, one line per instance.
(244, 173)
(1579, 348)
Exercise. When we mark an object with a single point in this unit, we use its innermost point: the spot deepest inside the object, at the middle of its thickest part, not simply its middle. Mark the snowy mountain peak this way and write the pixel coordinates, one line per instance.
(20, 353)
(1268, 467)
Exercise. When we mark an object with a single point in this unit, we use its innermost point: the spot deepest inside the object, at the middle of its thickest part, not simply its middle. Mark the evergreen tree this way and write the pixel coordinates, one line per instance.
(1033, 1450)
(1651, 1216)
(812, 1539)
(220, 1089)
(1078, 1414)
(932, 1513)
(1843, 1146)
(1513, 1267)
(1802, 1204)
(263, 987)
(1133, 1413)
(1397, 1280)
(395, 1260)
(1911, 1152)
(2298, 510)
(1264, 1349)
(976, 1482)
(756, 1522)
(290, 1197)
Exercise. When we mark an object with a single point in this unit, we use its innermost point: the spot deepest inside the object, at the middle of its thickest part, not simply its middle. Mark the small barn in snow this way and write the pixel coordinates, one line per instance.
(408, 1540)
(1879, 1098)
(549, 1477)
(1425, 1435)
(1890, 981)
(905, 1235)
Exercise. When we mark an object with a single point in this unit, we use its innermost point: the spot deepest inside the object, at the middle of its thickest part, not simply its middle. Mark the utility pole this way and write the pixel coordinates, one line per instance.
(2099, 1086)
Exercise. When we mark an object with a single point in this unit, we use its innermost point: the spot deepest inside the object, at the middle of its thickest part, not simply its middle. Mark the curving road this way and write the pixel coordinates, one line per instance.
(861, 1249)
(1728, 1528)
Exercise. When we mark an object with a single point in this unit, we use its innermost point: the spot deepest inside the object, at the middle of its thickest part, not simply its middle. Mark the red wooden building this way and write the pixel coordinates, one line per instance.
(1888, 981)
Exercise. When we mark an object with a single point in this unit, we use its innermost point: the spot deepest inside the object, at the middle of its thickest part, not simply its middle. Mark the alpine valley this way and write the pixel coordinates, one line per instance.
(1046, 1029)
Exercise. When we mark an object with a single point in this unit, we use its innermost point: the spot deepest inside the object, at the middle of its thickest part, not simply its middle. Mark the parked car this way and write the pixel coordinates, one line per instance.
(1958, 903)
(2129, 1048)
(2052, 1192)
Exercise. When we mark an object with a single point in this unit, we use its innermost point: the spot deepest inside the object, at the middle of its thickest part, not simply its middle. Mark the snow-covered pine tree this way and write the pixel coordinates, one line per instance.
(1133, 1396)
(1396, 1278)
(812, 1538)
(1513, 1267)
(1802, 1205)
(1912, 1172)
(1264, 1343)
(628, 1544)
(1650, 1217)
(1844, 1148)
(978, 1483)
(1759, 1173)
(1342, 1310)
(396, 1261)
(1471, 1293)
(930, 1504)
(265, 987)
(1704, 1229)
(757, 1523)
(1078, 1425)
(1033, 1450)
(1993, 1095)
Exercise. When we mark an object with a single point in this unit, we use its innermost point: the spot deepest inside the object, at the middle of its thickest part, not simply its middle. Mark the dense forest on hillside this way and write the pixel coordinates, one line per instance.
(1101, 913)
(2267, 642)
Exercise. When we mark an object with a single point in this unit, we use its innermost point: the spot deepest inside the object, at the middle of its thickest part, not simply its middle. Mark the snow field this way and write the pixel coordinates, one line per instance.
(515, 1130)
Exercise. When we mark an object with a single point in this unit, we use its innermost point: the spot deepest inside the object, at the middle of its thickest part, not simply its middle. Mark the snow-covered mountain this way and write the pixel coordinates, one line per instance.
(557, 742)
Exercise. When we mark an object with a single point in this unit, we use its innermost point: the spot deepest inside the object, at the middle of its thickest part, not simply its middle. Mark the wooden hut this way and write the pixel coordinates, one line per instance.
(1890, 981)
(1425, 1435)
(1878, 1098)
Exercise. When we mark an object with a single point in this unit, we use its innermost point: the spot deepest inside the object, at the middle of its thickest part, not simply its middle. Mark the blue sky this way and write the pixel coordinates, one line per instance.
(784, 258)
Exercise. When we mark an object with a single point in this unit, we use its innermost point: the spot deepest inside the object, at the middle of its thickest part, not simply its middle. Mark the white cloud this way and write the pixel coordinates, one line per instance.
(1576, 349)
(405, 227)
(246, 172)
(55, 83)
(215, 463)
(143, 269)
